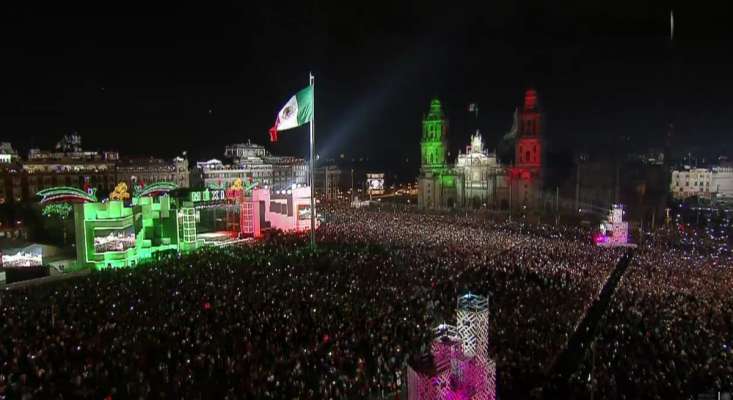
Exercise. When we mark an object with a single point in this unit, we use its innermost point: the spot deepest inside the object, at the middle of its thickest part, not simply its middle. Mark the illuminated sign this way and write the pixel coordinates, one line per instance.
(218, 195)
(304, 211)
(29, 256)
(375, 183)
(208, 195)
(106, 240)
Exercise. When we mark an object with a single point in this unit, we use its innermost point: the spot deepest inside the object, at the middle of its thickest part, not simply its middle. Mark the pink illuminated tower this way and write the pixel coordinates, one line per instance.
(614, 231)
(458, 366)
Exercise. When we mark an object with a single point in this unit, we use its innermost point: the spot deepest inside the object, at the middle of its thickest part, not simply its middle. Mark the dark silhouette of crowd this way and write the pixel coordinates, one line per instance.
(277, 320)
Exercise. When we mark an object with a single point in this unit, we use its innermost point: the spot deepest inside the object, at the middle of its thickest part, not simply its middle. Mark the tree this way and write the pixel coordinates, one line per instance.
(60, 212)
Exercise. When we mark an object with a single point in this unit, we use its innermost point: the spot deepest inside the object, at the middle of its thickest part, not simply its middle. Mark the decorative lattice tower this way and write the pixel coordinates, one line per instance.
(472, 313)
(446, 346)
(458, 366)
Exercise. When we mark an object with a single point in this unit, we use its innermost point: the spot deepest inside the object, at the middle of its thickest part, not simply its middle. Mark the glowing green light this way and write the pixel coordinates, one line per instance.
(60, 210)
(159, 225)
(447, 181)
(432, 144)
(157, 187)
(65, 193)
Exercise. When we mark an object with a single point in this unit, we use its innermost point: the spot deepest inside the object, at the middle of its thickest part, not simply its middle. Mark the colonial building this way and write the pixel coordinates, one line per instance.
(13, 180)
(69, 165)
(216, 174)
(715, 182)
(439, 186)
(8, 154)
(143, 171)
(722, 182)
(288, 171)
(13, 183)
(240, 151)
(251, 162)
(328, 182)
(688, 182)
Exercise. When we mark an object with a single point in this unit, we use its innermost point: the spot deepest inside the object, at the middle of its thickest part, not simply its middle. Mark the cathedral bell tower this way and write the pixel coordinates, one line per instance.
(528, 148)
(432, 144)
(525, 177)
(438, 184)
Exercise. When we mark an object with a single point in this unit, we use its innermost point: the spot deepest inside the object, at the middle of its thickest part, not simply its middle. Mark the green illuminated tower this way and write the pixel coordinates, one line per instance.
(187, 224)
(438, 184)
(432, 144)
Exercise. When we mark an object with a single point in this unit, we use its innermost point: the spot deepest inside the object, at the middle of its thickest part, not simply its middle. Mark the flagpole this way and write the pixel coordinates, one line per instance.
(312, 166)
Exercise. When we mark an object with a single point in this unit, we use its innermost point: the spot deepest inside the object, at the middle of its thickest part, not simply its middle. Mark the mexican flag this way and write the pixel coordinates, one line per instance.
(296, 112)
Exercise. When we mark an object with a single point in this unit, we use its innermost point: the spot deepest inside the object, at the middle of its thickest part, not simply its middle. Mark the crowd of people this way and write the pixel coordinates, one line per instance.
(278, 320)
(669, 328)
(540, 279)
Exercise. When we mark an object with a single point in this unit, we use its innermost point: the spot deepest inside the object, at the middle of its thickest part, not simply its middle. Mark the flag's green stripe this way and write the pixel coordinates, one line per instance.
(305, 105)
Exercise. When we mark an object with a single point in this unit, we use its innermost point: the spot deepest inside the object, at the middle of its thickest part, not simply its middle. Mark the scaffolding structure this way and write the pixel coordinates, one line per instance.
(472, 315)
(187, 222)
(247, 219)
(614, 231)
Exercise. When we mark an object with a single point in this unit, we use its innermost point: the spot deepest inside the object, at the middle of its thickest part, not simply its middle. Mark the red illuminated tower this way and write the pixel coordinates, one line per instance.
(529, 143)
(525, 176)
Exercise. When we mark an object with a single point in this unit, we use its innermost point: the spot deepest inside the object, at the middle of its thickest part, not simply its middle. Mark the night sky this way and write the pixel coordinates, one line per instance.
(147, 79)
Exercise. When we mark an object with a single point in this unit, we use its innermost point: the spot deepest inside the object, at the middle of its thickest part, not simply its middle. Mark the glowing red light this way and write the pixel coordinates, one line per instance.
(519, 174)
(530, 99)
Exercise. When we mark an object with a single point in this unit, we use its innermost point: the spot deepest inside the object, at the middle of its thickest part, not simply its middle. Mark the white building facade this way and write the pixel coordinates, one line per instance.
(721, 182)
(244, 150)
(144, 171)
(689, 182)
(8, 154)
(251, 162)
(482, 174)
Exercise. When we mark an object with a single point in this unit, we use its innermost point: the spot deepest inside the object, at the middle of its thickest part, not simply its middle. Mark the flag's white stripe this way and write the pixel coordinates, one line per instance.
(288, 117)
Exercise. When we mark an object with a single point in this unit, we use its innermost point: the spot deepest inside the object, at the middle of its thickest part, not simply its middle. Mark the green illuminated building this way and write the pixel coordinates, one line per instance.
(439, 186)
(432, 145)
(112, 234)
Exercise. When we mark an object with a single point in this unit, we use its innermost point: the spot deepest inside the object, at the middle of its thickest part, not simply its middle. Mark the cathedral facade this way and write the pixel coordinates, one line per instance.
(483, 176)
(477, 178)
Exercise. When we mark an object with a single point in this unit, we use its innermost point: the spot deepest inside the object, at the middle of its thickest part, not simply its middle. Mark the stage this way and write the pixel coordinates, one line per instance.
(629, 245)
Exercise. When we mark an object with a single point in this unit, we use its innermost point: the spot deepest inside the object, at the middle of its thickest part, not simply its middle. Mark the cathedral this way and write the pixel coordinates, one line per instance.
(477, 178)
